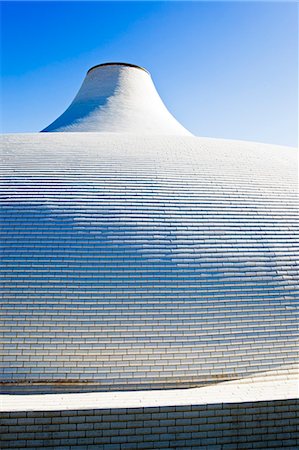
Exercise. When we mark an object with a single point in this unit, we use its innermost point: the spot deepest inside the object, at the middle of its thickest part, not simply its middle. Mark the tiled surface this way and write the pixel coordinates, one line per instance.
(263, 425)
(268, 386)
(117, 98)
(146, 262)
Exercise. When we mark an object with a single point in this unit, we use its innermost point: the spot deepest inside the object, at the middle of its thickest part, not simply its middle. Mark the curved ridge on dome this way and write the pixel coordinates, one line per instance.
(135, 66)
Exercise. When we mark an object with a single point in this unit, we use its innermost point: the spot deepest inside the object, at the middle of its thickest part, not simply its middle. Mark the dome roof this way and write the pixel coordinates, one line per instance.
(139, 256)
(118, 98)
(138, 262)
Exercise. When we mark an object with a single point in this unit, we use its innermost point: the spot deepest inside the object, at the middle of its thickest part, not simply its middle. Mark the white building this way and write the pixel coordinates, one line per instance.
(139, 257)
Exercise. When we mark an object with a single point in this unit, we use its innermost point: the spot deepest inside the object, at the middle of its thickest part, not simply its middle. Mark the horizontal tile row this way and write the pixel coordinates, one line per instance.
(272, 424)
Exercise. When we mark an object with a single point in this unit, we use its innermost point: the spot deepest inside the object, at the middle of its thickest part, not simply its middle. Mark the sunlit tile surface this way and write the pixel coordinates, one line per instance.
(146, 262)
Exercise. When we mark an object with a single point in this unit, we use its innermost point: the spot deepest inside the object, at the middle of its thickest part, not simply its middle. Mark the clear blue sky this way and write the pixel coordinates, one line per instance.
(224, 69)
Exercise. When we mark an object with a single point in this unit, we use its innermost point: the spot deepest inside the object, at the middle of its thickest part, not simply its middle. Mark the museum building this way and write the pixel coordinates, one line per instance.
(149, 280)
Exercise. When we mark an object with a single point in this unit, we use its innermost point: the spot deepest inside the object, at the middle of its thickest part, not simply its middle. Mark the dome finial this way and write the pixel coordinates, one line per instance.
(118, 97)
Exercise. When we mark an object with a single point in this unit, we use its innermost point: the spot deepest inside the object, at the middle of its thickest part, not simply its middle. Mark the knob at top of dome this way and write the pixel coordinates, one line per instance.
(118, 98)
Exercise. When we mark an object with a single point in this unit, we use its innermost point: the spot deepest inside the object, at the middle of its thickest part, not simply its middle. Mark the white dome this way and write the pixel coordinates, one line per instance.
(146, 261)
(136, 259)
(118, 98)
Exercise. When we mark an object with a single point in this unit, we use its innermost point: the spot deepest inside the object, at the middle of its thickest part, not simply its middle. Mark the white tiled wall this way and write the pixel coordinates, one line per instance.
(140, 262)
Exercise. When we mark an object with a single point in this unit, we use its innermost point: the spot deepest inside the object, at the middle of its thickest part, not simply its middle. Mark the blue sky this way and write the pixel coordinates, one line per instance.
(224, 69)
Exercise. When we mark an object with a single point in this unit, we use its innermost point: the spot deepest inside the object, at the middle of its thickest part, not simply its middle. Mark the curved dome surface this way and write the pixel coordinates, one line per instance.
(146, 261)
(118, 98)
(139, 256)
